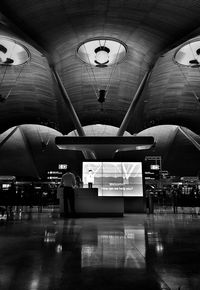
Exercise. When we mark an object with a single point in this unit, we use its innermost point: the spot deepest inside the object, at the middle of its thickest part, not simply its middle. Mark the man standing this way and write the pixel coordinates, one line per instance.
(68, 182)
(90, 178)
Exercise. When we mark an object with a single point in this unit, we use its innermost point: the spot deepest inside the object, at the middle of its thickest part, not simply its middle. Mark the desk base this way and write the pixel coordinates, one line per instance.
(91, 215)
(88, 203)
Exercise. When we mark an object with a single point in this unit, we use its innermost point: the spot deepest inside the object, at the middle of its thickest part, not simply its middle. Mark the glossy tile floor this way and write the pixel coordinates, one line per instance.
(42, 251)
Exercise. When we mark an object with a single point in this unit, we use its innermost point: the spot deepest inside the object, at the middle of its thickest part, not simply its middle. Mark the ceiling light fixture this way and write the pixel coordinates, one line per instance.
(188, 54)
(102, 51)
(12, 52)
(102, 95)
(102, 55)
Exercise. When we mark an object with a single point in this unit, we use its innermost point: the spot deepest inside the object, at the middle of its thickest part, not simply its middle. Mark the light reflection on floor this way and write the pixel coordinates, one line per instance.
(115, 249)
(134, 252)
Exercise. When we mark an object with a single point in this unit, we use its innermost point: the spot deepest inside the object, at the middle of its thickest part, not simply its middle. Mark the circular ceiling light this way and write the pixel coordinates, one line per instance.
(102, 52)
(102, 55)
(188, 54)
(12, 52)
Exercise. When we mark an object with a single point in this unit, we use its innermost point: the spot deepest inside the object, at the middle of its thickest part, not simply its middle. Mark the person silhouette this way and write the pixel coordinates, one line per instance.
(90, 178)
(68, 182)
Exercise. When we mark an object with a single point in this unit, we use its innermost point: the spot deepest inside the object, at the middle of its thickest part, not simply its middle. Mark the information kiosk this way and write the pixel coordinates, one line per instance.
(108, 187)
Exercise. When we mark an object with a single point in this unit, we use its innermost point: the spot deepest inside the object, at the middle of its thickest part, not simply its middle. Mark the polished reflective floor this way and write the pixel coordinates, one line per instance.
(42, 251)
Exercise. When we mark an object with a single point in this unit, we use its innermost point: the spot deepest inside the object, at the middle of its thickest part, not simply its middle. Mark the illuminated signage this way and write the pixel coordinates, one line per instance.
(114, 178)
(62, 166)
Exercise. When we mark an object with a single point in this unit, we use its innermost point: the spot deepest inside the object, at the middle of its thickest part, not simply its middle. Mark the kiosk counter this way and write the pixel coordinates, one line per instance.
(87, 202)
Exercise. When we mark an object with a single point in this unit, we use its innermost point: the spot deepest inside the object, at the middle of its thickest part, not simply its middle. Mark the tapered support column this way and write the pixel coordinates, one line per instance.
(77, 124)
(68, 103)
(129, 113)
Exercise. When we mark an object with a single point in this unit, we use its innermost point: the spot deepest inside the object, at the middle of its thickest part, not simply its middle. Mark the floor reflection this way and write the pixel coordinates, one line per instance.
(134, 252)
(115, 249)
(172, 249)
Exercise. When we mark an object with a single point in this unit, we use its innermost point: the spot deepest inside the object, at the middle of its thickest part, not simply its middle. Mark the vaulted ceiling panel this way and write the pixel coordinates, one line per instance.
(58, 27)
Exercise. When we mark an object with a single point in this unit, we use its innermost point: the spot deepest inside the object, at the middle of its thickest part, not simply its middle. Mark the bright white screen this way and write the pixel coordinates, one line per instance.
(114, 178)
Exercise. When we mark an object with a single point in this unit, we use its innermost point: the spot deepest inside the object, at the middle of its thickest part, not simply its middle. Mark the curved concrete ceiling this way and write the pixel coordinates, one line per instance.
(178, 146)
(30, 151)
(56, 28)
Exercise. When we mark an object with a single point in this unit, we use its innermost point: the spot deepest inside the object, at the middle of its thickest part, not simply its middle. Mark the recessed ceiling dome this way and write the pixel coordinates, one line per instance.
(99, 130)
(177, 146)
(102, 52)
(28, 150)
(12, 52)
(189, 54)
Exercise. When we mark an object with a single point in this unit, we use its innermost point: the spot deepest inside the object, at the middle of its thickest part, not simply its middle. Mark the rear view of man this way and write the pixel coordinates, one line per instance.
(68, 182)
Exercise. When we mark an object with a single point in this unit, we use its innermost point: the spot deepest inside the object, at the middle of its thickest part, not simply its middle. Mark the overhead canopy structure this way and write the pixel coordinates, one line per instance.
(104, 147)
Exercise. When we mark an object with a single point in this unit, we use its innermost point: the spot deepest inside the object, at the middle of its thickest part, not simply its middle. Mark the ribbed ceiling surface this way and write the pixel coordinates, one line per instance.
(178, 146)
(30, 151)
(148, 28)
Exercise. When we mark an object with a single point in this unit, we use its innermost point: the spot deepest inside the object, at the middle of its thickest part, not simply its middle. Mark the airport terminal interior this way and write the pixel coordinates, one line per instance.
(108, 90)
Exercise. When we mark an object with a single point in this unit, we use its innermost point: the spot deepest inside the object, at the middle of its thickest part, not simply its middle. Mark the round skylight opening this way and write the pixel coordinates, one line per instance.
(102, 52)
(188, 54)
(12, 52)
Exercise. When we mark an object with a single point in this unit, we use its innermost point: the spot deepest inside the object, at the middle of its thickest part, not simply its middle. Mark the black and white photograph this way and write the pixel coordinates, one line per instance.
(100, 145)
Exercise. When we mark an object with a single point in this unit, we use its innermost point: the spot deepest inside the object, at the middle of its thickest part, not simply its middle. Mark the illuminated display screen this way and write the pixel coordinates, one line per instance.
(6, 186)
(114, 178)
(62, 166)
(154, 167)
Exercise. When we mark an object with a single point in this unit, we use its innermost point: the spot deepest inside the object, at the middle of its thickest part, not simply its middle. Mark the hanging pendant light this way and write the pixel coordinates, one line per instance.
(102, 96)
(102, 55)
